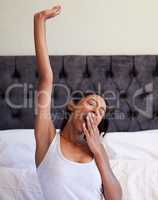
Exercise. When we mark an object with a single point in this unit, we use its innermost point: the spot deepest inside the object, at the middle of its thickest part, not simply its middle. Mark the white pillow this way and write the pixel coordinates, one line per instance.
(17, 148)
(132, 145)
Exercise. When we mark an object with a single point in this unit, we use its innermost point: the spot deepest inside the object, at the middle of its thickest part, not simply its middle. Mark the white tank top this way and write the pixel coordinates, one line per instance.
(63, 179)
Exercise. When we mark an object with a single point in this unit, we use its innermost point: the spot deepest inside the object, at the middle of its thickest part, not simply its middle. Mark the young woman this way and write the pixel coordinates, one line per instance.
(72, 164)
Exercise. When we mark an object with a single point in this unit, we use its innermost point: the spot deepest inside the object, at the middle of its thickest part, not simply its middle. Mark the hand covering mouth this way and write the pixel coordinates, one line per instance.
(85, 119)
(85, 116)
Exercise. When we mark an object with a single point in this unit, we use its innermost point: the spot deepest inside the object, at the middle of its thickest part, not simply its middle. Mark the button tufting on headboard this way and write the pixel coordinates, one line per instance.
(16, 115)
(2, 94)
(133, 73)
(128, 83)
(155, 113)
(36, 74)
(16, 74)
(86, 73)
(62, 74)
(123, 94)
(109, 73)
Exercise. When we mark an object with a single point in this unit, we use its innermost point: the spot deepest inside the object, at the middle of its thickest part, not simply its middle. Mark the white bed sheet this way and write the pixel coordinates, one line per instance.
(138, 179)
(18, 177)
(19, 184)
(133, 158)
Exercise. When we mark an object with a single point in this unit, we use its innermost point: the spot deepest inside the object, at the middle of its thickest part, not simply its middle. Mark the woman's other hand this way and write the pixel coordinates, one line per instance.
(48, 13)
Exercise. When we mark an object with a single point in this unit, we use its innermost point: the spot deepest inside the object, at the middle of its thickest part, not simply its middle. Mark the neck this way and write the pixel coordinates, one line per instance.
(73, 136)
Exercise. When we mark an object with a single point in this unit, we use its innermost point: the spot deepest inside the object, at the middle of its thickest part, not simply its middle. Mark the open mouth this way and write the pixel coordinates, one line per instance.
(85, 118)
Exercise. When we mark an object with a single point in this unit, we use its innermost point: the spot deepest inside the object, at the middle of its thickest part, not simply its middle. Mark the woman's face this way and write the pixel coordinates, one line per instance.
(92, 103)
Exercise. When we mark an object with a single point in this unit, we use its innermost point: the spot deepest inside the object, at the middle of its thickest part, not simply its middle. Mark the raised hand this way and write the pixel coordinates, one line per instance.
(49, 13)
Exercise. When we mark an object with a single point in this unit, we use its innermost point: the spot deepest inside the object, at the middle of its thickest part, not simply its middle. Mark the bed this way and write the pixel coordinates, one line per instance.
(129, 84)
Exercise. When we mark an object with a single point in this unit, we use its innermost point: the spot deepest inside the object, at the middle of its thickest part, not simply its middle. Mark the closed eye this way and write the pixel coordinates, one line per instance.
(91, 102)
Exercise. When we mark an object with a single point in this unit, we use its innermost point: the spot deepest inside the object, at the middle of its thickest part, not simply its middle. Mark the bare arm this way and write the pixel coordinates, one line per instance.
(111, 186)
(44, 127)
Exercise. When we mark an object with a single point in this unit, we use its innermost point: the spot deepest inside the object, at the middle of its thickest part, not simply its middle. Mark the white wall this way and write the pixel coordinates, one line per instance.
(92, 27)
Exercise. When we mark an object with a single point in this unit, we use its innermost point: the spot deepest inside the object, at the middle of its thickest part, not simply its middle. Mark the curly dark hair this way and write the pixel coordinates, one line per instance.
(103, 126)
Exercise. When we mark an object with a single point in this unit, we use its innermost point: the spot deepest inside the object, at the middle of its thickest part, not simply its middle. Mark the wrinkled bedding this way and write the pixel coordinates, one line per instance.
(133, 158)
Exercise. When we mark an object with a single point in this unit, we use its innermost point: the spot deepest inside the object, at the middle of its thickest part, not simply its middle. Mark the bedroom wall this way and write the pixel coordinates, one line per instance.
(85, 27)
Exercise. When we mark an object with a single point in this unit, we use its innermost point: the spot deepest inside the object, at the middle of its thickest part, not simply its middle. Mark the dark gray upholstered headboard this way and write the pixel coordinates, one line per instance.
(129, 84)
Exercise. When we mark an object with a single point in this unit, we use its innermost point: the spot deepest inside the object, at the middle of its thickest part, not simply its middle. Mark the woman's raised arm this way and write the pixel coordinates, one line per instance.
(44, 126)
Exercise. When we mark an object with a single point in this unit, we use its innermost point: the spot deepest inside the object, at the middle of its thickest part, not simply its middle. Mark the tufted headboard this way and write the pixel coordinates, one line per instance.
(128, 83)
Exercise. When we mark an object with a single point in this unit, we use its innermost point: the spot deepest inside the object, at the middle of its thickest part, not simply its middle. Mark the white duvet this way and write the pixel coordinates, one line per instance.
(138, 178)
(133, 158)
(19, 184)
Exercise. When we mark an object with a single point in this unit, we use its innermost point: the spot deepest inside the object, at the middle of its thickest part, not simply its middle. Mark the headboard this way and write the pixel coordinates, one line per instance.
(129, 84)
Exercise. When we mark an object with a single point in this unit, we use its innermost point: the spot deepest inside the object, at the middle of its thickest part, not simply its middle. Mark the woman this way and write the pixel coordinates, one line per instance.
(72, 165)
